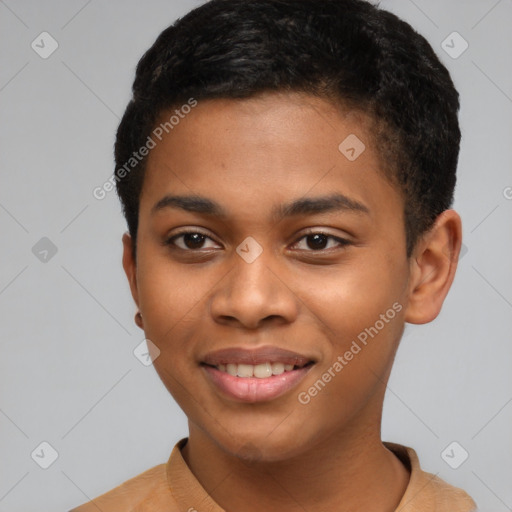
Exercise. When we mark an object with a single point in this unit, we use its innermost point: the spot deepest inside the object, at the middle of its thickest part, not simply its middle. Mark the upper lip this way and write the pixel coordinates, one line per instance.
(240, 355)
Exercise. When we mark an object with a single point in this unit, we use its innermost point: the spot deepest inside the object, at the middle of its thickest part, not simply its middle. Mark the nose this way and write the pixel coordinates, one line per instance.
(253, 294)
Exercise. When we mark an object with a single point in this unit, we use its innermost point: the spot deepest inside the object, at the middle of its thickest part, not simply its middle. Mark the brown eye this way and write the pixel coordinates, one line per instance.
(320, 241)
(317, 241)
(189, 241)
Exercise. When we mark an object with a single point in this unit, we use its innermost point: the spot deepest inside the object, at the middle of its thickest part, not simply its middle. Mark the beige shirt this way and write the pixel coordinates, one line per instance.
(172, 487)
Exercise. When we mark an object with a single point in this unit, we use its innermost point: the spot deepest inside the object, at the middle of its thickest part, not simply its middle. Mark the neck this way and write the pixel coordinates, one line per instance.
(349, 470)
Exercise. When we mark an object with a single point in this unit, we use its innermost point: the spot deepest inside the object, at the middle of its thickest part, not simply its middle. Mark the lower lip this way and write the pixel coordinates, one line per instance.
(253, 389)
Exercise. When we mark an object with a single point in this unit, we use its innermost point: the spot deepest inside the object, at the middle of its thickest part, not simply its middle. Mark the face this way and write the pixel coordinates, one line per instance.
(262, 246)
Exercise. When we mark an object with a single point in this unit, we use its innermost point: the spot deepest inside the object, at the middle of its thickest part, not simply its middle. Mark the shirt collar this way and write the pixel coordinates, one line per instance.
(185, 488)
(420, 495)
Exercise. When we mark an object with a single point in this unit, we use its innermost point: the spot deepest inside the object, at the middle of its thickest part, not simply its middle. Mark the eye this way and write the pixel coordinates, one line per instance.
(318, 241)
(192, 241)
(189, 240)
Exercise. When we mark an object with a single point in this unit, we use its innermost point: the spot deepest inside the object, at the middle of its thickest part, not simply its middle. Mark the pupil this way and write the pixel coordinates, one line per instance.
(193, 240)
(320, 241)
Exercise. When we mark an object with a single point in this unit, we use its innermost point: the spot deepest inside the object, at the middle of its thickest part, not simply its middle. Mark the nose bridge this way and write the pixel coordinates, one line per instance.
(251, 267)
(253, 277)
(252, 291)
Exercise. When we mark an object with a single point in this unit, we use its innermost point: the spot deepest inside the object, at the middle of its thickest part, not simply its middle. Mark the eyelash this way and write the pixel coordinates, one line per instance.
(342, 241)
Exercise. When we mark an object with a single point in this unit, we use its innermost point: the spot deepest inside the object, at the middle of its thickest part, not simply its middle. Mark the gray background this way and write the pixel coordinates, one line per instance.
(68, 375)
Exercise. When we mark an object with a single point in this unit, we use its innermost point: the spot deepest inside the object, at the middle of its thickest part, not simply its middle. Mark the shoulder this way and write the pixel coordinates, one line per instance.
(427, 491)
(144, 492)
(447, 496)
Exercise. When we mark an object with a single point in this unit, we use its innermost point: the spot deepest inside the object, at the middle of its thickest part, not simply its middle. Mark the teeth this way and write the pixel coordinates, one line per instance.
(277, 368)
(261, 371)
(245, 370)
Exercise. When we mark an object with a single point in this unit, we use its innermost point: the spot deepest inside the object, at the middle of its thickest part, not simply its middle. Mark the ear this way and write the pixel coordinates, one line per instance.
(433, 265)
(129, 266)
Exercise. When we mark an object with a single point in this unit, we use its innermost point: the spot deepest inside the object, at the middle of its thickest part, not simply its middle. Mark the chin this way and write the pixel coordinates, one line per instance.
(264, 448)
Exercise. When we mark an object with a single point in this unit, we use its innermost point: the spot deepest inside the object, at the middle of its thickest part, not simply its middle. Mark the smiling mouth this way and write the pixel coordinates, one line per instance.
(260, 371)
(255, 375)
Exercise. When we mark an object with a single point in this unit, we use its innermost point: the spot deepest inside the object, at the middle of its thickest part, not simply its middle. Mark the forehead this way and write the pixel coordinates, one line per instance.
(266, 150)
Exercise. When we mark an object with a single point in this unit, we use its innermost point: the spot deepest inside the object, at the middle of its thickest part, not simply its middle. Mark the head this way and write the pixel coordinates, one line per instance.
(320, 138)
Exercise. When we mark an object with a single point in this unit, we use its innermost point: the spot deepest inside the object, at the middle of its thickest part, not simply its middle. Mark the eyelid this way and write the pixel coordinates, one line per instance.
(169, 240)
(343, 242)
(187, 230)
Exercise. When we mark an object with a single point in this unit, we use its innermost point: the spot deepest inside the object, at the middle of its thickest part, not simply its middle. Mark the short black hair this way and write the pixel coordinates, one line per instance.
(350, 52)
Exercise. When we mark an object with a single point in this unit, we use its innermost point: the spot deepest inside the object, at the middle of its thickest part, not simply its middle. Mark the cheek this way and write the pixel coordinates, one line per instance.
(361, 315)
(170, 298)
(351, 299)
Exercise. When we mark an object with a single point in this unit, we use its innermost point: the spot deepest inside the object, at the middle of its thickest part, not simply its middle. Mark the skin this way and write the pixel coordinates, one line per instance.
(249, 156)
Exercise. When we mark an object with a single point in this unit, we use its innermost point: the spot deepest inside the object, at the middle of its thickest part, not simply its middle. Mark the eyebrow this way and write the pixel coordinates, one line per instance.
(302, 206)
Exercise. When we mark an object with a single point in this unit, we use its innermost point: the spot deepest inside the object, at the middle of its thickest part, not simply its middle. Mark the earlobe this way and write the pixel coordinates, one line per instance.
(433, 267)
(129, 266)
